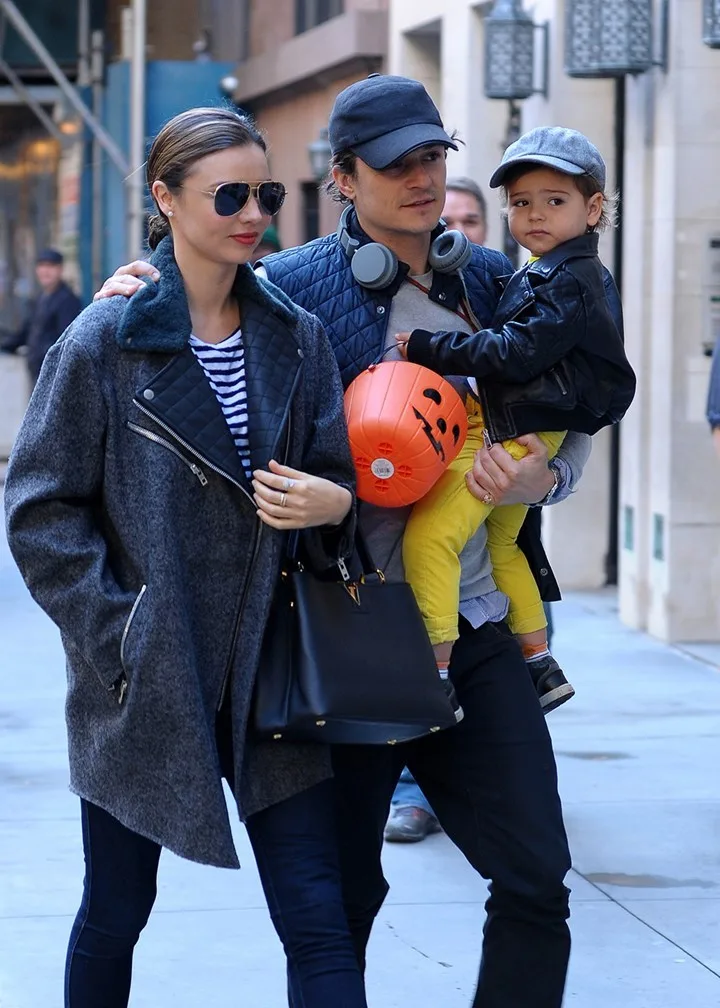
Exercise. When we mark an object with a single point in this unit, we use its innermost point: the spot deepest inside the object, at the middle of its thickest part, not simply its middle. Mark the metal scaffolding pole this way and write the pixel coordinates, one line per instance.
(136, 181)
(23, 29)
(97, 70)
(25, 96)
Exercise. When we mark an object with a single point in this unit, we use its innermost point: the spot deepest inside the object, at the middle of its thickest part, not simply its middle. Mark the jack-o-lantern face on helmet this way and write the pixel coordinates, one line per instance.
(406, 425)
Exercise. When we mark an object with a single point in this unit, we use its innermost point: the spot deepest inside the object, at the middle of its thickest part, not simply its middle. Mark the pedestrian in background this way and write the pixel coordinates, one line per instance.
(49, 315)
(146, 506)
(465, 209)
(713, 401)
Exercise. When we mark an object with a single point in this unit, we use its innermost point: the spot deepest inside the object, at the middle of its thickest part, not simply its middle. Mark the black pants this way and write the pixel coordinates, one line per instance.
(493, 785)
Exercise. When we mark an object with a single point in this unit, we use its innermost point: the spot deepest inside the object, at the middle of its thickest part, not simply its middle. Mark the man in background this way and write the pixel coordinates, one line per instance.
(465, 209)
(411, 817)
(50, 313)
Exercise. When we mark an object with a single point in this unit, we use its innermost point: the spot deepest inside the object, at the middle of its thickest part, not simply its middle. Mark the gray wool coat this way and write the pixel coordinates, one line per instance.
(131, 520)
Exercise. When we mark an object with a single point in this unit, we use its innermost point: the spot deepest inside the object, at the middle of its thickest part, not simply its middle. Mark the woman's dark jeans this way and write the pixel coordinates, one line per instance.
(295, 849)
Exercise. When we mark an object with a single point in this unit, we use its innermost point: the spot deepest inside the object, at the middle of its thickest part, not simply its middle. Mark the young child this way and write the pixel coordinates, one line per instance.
(552, 361)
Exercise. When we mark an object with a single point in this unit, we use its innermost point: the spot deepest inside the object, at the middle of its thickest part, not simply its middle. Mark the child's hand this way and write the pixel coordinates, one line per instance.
(402, 342)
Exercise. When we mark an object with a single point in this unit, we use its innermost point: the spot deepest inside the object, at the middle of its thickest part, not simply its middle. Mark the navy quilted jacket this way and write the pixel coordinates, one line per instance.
(317, 276)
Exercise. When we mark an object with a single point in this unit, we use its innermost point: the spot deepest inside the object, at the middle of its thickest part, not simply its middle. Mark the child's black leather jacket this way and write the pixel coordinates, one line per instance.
(553, 357)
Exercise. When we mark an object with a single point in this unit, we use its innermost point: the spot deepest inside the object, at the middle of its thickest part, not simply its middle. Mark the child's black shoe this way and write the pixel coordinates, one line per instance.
(552, 687)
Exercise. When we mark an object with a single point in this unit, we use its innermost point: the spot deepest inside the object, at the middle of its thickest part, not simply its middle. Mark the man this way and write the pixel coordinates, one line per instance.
(412, 818)
(492, 779)
(466, 209)
(50, 314)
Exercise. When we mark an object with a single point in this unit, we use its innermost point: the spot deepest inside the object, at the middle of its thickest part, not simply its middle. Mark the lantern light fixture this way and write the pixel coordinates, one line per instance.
(613, 38)
(510, 52)
(319, 152)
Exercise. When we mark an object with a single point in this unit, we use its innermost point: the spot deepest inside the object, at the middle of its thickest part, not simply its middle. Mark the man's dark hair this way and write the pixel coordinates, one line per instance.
(467, 185)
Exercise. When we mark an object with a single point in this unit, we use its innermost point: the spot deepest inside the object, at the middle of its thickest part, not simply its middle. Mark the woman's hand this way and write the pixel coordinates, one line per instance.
(124, 280)
(497, 478)
(289, 499)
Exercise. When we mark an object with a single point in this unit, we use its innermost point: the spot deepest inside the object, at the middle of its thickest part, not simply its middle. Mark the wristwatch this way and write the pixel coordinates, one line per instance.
(553, 489)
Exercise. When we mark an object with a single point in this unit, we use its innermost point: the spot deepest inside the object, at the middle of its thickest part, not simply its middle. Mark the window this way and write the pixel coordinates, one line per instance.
(310, 211)
(309, 13)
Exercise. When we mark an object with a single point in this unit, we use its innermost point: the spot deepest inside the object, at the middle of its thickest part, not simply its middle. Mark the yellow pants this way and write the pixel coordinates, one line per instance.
(442, 523)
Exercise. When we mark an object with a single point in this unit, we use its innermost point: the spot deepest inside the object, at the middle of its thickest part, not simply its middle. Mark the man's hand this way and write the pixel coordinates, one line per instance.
(401, 339)
(497, 475)
(124, 280)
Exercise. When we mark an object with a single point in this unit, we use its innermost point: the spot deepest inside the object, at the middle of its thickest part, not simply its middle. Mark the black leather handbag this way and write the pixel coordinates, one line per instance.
(347, 661)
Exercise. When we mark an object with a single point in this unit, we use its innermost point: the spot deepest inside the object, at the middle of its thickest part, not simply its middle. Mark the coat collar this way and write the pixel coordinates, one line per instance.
(157, 318)
(583, 247)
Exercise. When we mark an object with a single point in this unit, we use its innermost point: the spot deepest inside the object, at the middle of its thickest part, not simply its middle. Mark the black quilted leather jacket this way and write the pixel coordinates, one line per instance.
(553, 356)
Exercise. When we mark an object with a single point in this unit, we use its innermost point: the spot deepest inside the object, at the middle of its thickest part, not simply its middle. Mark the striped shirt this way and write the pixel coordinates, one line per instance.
(224, 367)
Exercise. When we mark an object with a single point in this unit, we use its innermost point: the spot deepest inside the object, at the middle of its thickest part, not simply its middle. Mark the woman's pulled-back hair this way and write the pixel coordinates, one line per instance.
(183, 141)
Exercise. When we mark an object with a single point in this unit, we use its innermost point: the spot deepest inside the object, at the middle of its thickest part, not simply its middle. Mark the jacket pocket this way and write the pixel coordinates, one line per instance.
(151, 436)
(128, 625)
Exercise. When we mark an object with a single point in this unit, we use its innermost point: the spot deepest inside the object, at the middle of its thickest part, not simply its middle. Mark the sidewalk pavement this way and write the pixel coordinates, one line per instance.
(638, 753)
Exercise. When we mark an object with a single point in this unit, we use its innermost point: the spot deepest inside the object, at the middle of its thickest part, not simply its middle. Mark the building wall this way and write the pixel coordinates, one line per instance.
(670, 569)
(289, 127)
(172, 27)
(289, 82)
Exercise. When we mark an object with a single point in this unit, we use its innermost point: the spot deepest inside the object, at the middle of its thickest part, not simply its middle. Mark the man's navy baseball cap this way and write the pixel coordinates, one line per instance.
(383, 118)
(49, 255)
(566, 150)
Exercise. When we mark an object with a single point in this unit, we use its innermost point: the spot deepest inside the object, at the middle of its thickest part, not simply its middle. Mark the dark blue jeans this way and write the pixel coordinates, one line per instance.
(493, 786)
(295, 848)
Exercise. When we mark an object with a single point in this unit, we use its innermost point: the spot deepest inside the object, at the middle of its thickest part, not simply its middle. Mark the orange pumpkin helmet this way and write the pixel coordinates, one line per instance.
(406, 425)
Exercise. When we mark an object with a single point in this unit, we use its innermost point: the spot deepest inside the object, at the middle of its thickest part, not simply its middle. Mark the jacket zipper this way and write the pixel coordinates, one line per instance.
(194, 451)
(196, 470)
(256, 546)
(126, 631)
(561, 384)
(489, 426)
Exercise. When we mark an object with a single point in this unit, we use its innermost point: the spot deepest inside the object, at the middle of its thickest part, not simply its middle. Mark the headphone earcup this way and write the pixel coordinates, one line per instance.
(374, 266)
(450, 251)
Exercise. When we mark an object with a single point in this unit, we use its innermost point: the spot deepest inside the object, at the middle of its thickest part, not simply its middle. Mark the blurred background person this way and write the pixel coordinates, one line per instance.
(466, 209)
(713, 402)
(49, 315)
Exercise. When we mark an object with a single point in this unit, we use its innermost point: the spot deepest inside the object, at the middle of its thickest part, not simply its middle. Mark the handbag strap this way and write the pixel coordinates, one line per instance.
(361, 549)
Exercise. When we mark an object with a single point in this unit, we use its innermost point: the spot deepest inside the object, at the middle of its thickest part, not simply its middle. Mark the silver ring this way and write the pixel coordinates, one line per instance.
(282, 499)
(289, 483)
(488, 498)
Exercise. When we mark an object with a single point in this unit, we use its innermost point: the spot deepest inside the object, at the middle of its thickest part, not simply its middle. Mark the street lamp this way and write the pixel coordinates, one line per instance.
(510, 52)
(319, 152)
(711, 23)
(611, 38)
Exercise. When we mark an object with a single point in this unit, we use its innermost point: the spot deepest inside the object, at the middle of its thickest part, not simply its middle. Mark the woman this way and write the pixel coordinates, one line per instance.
(169, 444)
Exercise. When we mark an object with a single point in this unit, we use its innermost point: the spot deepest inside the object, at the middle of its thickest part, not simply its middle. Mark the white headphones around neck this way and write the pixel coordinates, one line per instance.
(375, 266)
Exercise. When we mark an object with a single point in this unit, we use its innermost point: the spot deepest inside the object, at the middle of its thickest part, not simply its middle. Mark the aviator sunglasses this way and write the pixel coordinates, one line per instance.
(231, 197)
